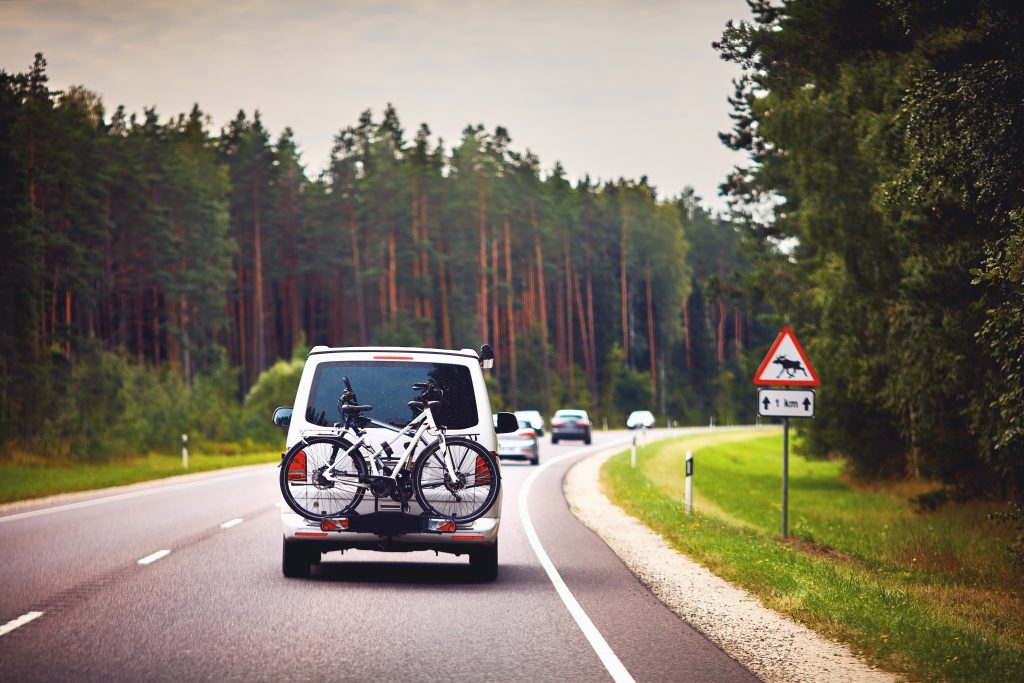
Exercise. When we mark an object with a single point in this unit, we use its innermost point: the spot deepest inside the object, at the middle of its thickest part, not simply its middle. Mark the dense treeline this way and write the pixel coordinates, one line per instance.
(154, 263)
(887, 140)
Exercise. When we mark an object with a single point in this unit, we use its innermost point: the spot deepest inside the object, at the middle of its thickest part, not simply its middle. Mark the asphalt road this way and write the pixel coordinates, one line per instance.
(217, 608)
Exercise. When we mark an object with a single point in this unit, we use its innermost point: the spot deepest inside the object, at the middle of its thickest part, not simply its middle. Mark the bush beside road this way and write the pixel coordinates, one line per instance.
(929, 594)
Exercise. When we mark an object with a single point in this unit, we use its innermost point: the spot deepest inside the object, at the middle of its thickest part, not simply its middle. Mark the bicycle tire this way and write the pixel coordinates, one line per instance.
(306, 491)
(473, 463)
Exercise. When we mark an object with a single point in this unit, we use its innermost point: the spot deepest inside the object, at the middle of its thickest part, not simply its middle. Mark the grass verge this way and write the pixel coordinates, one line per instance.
(929, 595)
(24, 479)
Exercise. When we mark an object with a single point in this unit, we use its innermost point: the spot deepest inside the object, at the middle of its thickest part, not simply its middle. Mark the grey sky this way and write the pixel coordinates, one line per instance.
(608, 87)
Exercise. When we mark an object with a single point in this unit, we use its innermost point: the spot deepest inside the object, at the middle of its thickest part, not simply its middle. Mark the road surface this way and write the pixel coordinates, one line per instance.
(88, 594)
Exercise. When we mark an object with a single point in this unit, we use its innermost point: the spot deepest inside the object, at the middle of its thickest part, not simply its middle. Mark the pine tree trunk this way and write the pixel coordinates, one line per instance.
(650, 335)
(392, 277)
(569, 334)
(592, 376)
(686, 333)
(482, 294)
(545, 358)
(584, 340)
(721, 332)
(495, 320)
(156, 327)
(258, 305)
(622, 281)
(428, 300)
(510, 329)
(243, 359)
(357, 273)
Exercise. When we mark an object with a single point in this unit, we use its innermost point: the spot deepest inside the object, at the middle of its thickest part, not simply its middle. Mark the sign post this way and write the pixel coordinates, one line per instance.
(689, 482)
(794, 370)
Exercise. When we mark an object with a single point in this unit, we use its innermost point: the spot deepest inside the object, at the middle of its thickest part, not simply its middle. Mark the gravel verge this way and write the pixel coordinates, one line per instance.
(773, 647)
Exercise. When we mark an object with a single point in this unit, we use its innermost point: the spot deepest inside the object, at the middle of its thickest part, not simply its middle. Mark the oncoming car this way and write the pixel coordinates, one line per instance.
(388, 519)
(640, 418)
(570, 424)
(531, 418)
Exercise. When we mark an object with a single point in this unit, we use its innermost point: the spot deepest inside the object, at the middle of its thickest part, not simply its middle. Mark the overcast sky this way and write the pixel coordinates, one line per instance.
(608, 87)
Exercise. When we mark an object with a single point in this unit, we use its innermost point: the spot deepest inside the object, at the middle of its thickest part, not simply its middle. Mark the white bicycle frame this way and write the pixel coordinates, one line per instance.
(426, 424)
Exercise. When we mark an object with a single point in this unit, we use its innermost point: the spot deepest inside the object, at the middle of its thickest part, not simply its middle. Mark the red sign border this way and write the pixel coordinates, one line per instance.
(812, 382)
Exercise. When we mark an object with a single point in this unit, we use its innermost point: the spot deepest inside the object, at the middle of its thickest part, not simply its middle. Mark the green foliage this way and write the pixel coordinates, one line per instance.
(887, 136)
(275, 387)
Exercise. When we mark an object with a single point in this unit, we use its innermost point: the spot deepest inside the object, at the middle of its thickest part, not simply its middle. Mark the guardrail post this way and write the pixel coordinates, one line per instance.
(689, 482)
(184, 451)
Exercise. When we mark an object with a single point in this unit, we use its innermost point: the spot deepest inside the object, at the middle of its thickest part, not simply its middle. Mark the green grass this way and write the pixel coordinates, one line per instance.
(932, 596)
(25, 478)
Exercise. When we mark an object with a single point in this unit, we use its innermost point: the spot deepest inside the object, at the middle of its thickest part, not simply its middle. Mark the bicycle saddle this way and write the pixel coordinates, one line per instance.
(349, 409)
(420, 405)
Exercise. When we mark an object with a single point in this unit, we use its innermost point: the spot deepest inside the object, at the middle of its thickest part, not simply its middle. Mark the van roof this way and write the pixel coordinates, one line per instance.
(392, 349)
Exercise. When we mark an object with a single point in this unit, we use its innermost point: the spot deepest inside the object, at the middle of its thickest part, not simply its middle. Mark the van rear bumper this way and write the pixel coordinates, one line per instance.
(391, 532)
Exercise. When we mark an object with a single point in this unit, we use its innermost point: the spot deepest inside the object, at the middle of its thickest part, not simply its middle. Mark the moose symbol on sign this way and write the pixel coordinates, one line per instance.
(788, 366)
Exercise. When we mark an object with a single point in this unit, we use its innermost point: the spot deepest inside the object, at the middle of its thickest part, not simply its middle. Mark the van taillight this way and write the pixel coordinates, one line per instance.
(297, 467)
(483, 472)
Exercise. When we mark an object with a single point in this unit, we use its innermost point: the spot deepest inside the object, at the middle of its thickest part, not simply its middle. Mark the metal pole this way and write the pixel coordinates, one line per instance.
(785, 476)
(184, 451)
(689, 482)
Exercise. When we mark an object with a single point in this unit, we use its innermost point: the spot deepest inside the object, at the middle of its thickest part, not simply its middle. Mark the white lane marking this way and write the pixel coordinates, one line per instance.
(20, 621)
(150, 559)
(601, 648)
(231, 522)
(125, 496)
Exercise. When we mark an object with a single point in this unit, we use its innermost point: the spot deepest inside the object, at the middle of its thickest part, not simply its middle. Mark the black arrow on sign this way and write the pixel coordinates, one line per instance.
(807, 404)
(766, 403)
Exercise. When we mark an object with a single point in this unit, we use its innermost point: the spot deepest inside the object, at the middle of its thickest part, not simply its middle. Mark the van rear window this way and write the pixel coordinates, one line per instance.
(387, 386)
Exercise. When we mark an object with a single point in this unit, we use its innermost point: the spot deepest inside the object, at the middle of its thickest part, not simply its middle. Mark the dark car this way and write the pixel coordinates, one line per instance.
(570, 424)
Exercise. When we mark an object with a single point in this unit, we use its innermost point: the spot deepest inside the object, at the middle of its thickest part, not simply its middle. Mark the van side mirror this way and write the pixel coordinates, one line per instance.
(507, 423)
(282, 416)
(486, 357)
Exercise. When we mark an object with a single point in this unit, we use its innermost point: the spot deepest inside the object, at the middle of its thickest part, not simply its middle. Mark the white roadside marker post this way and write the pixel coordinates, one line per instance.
(632, 457)
(689, 482)
(184, 451)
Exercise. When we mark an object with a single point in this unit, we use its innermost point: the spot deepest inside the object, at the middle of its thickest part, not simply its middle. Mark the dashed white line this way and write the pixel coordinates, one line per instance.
(150, 559)
(601, 647)
(231, 522)
(20, 621)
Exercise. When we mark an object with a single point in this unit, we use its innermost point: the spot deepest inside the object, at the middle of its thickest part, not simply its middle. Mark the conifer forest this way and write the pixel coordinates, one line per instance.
(165, 274)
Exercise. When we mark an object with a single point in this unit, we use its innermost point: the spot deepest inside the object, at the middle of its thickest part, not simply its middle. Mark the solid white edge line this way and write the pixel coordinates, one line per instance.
(231, 522)
(124, 496)
(150, 559)
(20, 621)
(601, 648)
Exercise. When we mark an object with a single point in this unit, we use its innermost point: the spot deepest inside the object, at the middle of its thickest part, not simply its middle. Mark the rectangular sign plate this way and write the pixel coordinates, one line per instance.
(785, 402)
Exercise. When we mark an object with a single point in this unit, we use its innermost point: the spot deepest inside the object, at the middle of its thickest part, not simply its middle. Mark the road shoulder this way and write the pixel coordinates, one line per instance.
(773, 647)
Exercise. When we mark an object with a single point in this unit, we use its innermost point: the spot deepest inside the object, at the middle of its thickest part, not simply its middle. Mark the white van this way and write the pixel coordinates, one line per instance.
(387, 519)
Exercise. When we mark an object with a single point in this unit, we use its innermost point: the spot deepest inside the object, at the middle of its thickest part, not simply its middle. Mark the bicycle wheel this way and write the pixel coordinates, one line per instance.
(471, 494)
(304, 486)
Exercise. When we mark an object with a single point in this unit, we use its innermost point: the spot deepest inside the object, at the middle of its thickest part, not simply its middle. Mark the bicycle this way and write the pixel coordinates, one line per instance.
(453, 477)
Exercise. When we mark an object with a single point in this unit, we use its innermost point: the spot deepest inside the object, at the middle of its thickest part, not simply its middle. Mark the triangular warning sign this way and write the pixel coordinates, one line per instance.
(786, 364)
